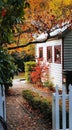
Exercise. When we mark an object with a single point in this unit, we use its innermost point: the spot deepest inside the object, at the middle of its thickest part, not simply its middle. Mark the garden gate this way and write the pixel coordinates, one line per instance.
(62, 103)
(2, 102)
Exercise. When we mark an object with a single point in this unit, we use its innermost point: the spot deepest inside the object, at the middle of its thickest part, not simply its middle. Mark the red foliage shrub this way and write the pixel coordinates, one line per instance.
(39, 73)
(3, 12)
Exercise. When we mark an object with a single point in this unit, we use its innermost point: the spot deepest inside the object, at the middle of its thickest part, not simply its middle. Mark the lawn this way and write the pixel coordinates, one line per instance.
(20, 76)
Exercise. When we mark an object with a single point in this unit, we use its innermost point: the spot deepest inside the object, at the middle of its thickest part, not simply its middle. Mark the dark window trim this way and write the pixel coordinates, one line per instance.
(49, 54)
(41, 53)
(57, 54)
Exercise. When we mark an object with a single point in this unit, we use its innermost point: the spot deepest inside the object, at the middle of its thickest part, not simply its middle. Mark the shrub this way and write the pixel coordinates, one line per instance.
(39, 103)
(28, 68)
(50, 85)
(7, 68)
(39, 74)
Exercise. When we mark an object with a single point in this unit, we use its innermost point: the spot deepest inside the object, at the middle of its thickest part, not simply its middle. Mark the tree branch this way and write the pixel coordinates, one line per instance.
(33, 42)
(29, 43)
(41, 40)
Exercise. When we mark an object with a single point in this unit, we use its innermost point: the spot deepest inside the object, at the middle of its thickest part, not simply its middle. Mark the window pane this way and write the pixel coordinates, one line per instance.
(57, 53)
(41, 52)
(49, 54)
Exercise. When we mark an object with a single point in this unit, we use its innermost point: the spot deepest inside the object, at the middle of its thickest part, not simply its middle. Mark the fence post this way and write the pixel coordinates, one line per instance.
(1, 110)
(55, 110)
(63, 108)
(70, 107)
(2, 102)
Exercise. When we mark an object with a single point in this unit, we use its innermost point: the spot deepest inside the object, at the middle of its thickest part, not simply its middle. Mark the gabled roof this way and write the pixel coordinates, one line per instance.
(55, 32)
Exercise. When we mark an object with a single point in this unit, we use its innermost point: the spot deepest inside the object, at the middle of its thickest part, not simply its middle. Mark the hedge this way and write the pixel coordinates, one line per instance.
(28, 68)
(39, 103)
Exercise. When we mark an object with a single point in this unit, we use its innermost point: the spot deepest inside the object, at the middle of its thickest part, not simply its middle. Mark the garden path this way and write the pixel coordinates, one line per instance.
(18, 117)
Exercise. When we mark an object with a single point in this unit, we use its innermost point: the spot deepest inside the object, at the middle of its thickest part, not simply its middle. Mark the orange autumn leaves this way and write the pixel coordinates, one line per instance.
(46, 14)
(40, 73)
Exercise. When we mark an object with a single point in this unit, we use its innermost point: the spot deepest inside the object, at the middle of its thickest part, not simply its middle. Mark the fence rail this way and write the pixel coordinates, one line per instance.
(59, 109)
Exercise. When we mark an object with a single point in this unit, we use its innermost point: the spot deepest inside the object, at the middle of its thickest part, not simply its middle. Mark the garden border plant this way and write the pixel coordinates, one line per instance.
(39, 103)
(28, 69)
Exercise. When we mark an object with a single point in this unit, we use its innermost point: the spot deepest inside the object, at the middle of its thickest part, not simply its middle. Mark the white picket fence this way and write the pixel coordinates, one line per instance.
(2, 102)
(56, 109)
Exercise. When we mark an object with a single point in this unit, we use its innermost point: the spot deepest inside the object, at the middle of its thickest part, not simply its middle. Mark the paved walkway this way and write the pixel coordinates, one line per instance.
(18, 117)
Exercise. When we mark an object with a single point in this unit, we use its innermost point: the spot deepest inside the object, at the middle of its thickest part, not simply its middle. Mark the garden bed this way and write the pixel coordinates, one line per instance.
(39, 106)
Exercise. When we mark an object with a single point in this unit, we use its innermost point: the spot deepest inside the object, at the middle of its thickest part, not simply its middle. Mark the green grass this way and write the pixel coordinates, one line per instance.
(19, 76)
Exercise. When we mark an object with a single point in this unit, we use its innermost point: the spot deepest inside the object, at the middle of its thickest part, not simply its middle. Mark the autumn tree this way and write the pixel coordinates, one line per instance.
(18, 22)
(42, 16)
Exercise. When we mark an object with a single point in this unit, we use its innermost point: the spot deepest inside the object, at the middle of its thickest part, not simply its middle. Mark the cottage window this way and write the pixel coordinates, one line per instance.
(49, 54)
(41, 53)
(57, 53)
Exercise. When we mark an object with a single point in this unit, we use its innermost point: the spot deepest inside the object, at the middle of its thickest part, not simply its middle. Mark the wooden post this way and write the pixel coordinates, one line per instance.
(53, 111)
(57, 109)
(63, 108)
(2, 102)
(70, 107)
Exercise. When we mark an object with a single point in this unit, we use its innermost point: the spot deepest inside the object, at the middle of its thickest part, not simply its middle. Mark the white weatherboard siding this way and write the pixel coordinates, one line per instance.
(56, 74)
(55, 69)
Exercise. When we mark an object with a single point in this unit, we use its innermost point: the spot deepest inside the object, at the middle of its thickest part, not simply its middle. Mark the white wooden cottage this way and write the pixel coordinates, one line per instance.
(57, 51)
(2, 102)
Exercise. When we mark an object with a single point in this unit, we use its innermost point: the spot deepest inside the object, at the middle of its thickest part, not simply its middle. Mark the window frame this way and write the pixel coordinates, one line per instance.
(49, 54)
(57, 54)
(41, 53)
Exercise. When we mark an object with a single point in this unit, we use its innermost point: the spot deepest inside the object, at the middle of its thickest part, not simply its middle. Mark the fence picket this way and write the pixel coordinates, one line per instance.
(2, 102)
(55, 109)
(70, 107)
(63, 108)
